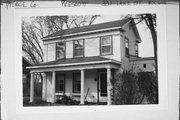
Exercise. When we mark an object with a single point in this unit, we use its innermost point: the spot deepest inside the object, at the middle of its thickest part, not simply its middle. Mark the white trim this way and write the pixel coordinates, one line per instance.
(82, 37)
(53, 86)
(32, 88)
(114, 28)
(82, 87)
(71, 64)
(80, 67)
(101, 41)
(109, 86)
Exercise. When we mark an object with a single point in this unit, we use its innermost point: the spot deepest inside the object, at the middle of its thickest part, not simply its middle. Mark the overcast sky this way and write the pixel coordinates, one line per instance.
(146, 46)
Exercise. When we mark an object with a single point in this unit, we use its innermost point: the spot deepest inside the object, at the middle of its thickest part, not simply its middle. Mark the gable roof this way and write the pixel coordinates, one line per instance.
(89, 29)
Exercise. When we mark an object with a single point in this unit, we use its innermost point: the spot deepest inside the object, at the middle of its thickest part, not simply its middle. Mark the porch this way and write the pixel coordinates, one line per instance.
(83, 79)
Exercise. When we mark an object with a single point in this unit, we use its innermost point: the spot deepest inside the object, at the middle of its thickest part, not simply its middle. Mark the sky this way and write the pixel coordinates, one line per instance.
(146, 46)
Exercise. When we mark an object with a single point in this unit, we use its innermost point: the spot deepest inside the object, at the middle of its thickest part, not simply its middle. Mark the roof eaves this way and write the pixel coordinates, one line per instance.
(136, 31)
(73, 64)
(87, 32)
(142, 59)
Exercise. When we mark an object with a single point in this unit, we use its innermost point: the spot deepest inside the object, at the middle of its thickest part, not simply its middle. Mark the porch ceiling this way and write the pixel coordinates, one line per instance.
(95, 62)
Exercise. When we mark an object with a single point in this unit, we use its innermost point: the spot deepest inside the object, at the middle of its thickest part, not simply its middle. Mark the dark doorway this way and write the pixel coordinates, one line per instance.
(103, 84)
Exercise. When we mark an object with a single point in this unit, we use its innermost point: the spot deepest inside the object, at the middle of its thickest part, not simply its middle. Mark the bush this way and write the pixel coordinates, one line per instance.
(148, 86)
(135, 88)
(67, 100)
(125, 88)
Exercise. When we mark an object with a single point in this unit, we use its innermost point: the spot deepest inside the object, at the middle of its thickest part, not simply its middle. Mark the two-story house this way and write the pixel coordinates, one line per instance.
(80, 62)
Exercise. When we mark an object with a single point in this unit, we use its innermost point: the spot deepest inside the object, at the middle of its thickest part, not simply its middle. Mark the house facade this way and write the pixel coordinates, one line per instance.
(80, 62)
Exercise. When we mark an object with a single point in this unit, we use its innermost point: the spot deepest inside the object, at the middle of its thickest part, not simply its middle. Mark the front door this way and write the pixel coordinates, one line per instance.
(103, 85)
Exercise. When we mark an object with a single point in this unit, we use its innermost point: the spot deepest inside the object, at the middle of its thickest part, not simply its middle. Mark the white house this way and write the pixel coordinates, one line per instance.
(146, 64)
(80, 62)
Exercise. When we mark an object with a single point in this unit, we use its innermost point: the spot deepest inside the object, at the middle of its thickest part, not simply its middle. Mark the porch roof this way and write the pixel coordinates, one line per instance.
(80, 61)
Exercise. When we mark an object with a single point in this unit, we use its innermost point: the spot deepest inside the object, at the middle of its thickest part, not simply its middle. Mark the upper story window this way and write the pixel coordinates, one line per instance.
(78, 48)
(60, 50)
(136, 49)
(126, 47)
(106, 45)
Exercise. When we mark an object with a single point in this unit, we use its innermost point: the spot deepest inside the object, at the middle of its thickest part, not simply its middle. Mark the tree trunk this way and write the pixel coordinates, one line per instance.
(154, 38)
(150, 24)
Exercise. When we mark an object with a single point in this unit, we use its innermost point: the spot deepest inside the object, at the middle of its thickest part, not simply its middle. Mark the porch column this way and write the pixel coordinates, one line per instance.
(109, 86)
(44, 87)
(32, 87)
(82, 87)
(53, 86)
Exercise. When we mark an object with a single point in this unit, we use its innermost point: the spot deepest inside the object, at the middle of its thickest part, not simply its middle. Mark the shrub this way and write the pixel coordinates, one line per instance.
(125, 88)
(67, 100)
(148, 86)
(135, 87)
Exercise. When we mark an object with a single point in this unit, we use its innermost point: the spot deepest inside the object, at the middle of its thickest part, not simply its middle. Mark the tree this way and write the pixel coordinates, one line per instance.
(36, 27)
(132, 87)
(150, 21)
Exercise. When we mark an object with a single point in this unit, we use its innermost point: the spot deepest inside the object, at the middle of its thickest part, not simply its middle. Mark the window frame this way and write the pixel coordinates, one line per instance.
(75, 82)
(64, 50)
(64, 76)
(76, 48)
(111, 45)
(126, 41)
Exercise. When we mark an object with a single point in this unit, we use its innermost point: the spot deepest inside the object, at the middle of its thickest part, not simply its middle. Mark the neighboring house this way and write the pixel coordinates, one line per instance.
(146, 64)
(80, 62)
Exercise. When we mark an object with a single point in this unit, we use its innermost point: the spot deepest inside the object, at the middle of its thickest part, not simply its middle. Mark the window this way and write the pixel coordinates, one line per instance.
(144, 65)
(136, 49)
(126, 47)
(60, 50)
(60, 83)
(78, 48)
(106, 45)
(76, 83)
(103, 83)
